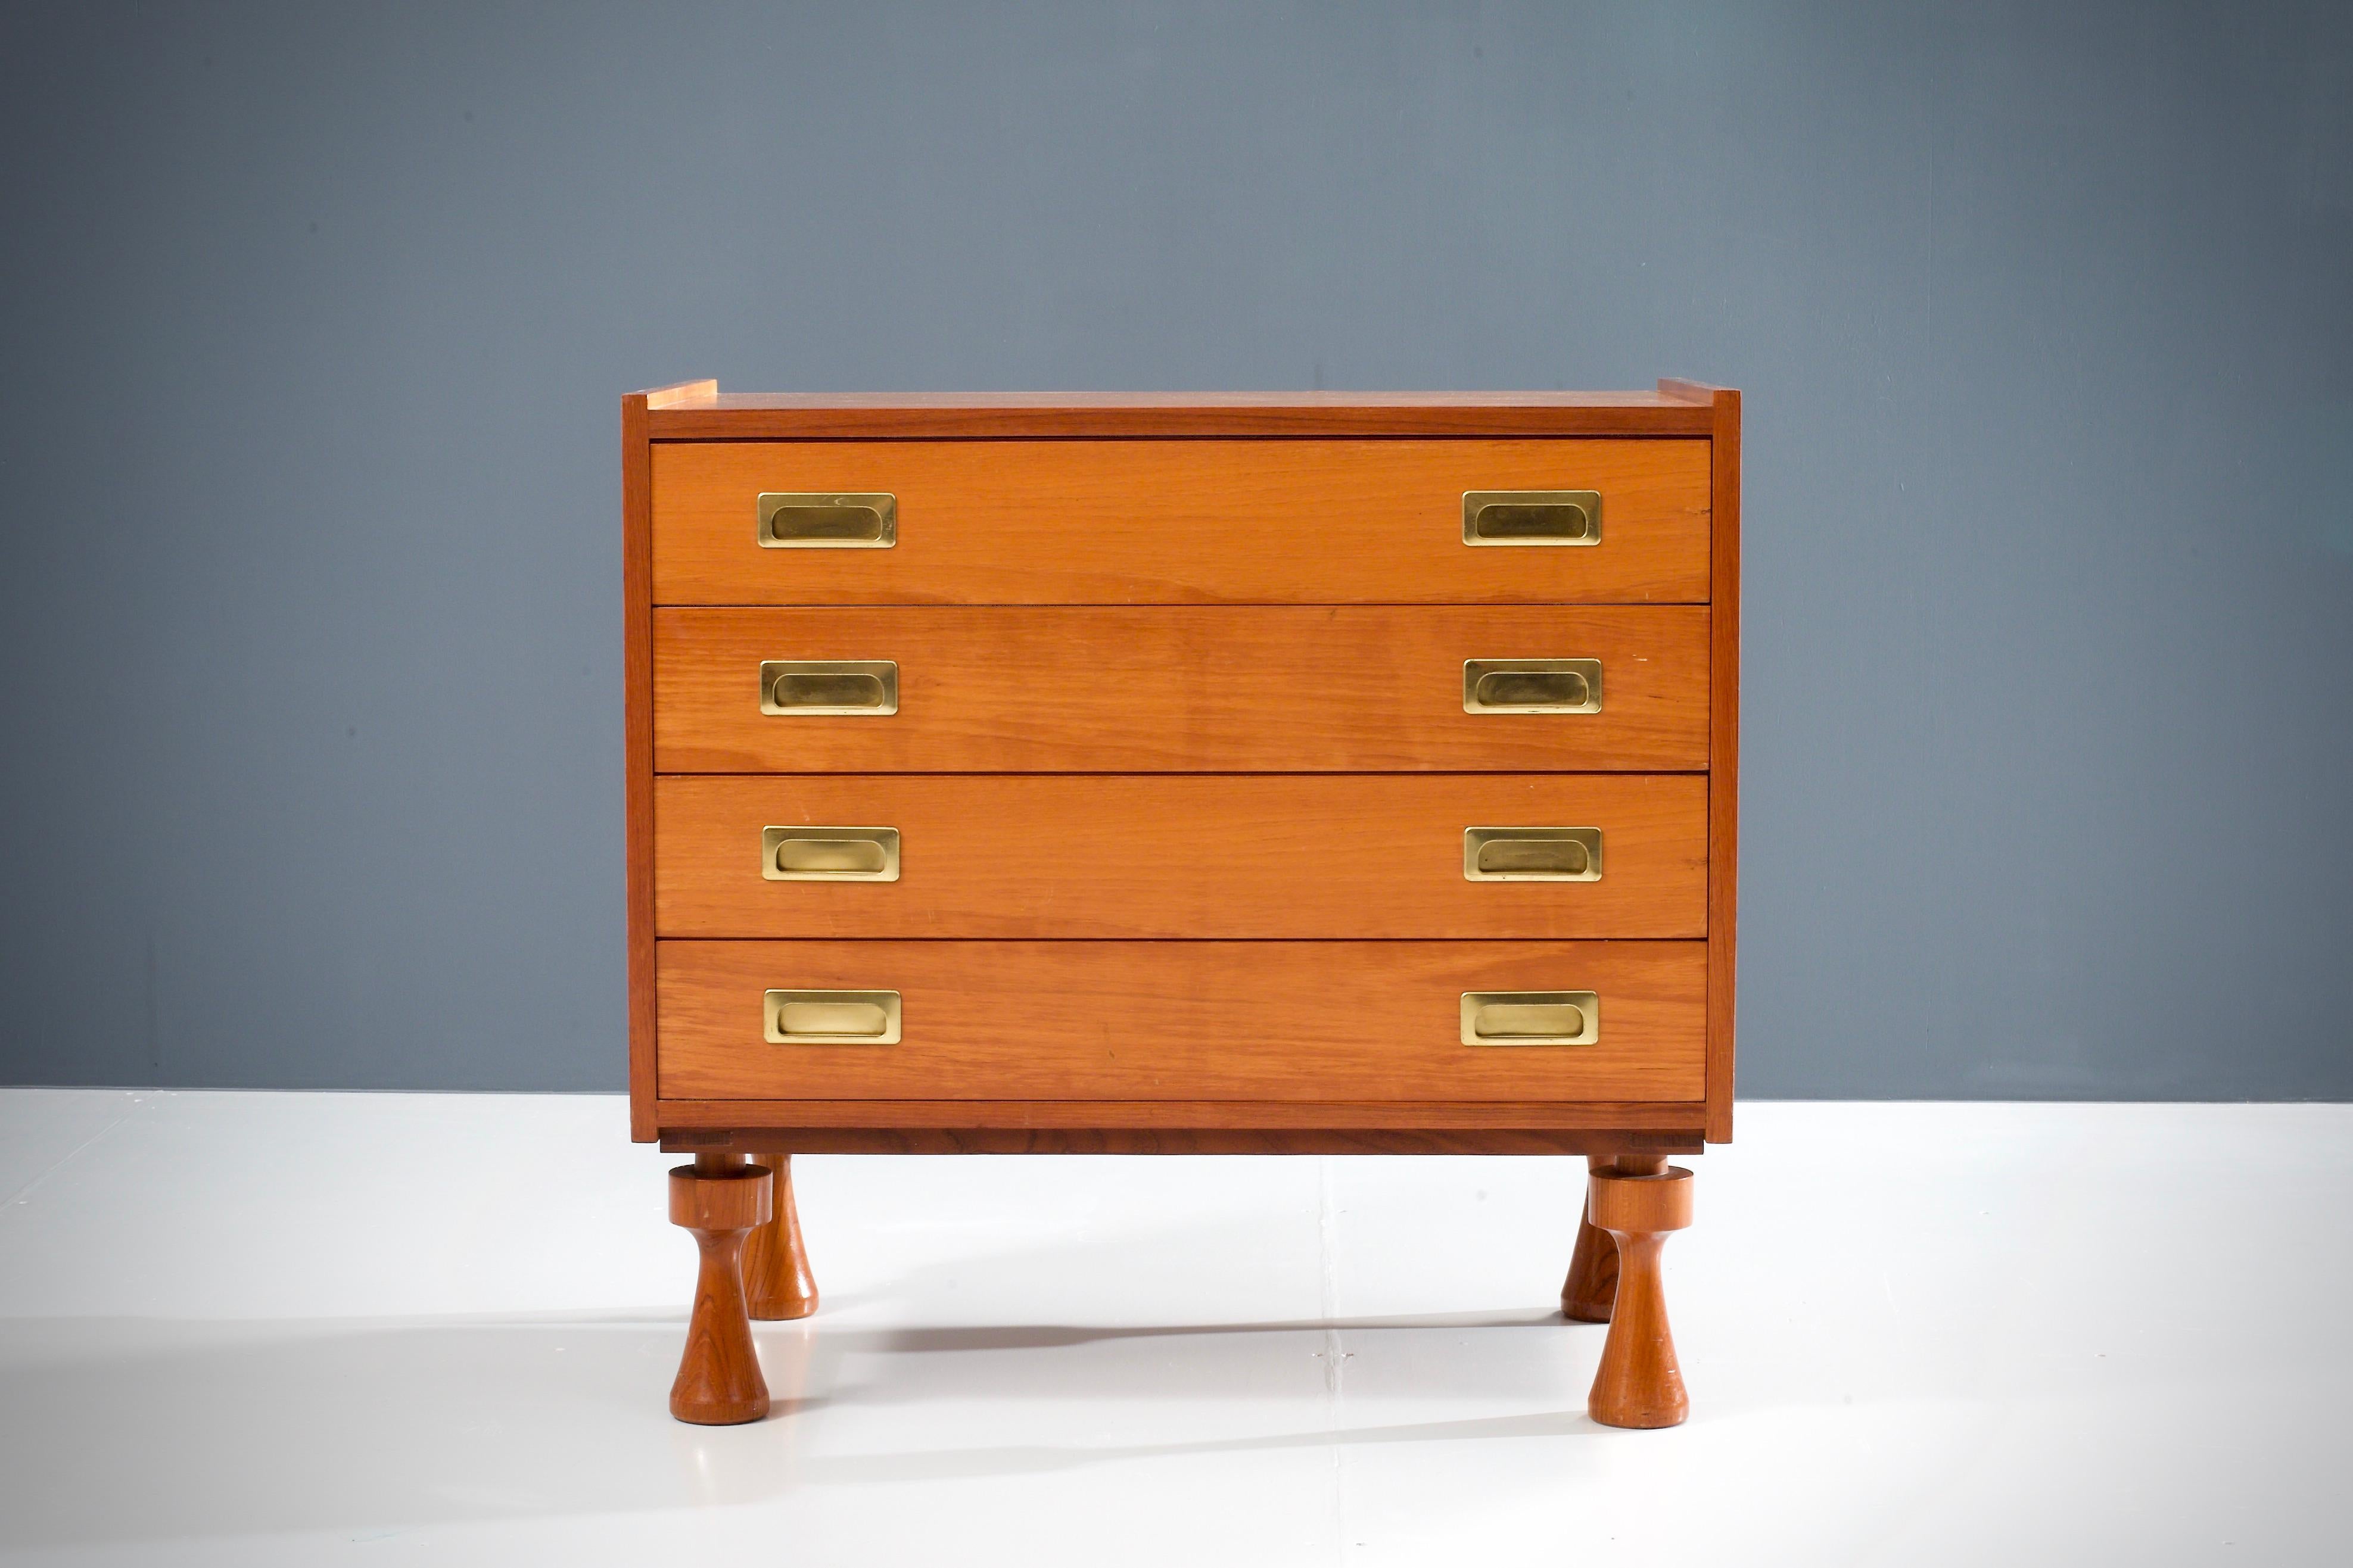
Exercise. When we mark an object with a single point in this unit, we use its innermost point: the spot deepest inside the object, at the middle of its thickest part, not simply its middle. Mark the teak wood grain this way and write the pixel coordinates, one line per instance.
(778, 1283)
(1180, 774)
(707, 415)
(1180, 523)
(1187, 1020)
(1181, 855)
(1639, 1382)
(1724, 747)
(638, 752)
(1677, 412)
(1187, 1140)
(720, 1200)
(1182, 689)
(1666, 1125)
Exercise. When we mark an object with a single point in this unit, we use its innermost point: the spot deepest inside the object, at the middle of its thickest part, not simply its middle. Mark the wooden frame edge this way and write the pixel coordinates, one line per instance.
(1723, 743)
(679, 393)
(696, 417)
(1180, 1140)
(637, 732)
(637, 755)
(743, 1115)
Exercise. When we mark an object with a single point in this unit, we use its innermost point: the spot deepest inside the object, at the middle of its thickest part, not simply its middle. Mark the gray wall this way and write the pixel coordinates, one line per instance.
(315, 319)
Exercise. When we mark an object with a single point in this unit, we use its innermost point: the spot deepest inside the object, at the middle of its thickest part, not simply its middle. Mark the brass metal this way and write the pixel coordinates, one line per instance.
(1532, 517)
(831, 1017)
(1532, 854)
(866, 688)
(1531, 1017)
(828, 521)
(829, 854)
(1532, 685)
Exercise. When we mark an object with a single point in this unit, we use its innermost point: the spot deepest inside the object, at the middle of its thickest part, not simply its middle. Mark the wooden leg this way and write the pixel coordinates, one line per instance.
(1592, 1282)
(1640, 1383)
(777, 1279)
(719, 1198)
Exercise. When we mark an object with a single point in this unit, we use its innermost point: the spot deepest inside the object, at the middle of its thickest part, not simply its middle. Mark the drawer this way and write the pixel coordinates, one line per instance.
(1175, 522)
(1180, 856)
(1266, 688)
(1190, 1020)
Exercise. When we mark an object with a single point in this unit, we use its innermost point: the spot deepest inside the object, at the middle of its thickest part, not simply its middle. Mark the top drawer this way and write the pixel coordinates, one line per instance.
(1181, 522)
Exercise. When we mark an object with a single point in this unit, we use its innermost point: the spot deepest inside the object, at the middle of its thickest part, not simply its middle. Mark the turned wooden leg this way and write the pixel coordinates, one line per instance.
(777, 1279)
(1639, 1382)
(719, 1198)
(1592, 1282)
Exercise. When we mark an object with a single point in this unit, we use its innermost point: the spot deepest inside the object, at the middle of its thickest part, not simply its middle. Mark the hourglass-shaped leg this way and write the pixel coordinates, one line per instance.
(719, 1198)
(777, 1279)
(1592, 1282)
(1640, 1383)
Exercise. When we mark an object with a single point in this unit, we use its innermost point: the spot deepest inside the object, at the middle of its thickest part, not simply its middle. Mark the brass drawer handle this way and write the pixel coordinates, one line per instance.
(1531, 1017)
(828, 521)
(831, 1017)
(1532, 854)
(1532, 685)
(1532, 517)
(829, 854)
(867, 687)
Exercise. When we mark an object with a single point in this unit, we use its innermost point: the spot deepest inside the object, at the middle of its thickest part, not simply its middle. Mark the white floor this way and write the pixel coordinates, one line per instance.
(255, 1329)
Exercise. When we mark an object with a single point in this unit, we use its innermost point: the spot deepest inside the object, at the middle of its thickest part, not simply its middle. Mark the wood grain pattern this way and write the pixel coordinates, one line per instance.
(1197, 1140)
(1679, 410)
(1119, 523)
(680, 393)
(1639, 1382)
(638, 752)
(687, 1121)
(1088, 415)
(1592, 1283)
(1184, 1021)
(1181, 855)
(1194, 689)
(719, 1199)
(778, 1284)
(1724, 750)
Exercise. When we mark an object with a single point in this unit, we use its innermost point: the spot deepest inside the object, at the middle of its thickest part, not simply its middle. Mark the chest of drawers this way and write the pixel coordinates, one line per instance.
(1313, 774)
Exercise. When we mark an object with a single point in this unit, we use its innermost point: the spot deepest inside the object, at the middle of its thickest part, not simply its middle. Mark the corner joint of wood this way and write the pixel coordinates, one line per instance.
(679, 393)
(1684, 391)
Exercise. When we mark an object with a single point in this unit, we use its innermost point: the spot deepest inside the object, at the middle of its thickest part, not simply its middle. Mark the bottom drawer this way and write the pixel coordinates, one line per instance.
(1179, 1020)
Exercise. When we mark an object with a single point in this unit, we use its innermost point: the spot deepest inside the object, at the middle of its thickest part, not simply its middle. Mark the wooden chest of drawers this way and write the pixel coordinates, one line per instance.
(1265, 773)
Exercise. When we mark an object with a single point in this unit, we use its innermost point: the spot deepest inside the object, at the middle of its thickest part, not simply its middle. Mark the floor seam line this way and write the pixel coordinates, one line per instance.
(16, 1198)
(1335, 1351)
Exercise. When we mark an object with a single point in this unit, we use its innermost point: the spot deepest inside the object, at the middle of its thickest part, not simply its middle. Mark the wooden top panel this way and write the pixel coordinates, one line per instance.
(694, 414)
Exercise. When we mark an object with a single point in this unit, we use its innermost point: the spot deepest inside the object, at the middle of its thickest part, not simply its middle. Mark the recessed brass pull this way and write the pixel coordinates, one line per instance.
(1532, 685)
(1532, 517)
(866, 687)
(831, 1017)
(829, 854)
(828, 521)
(1531, 1017)
(1532, 854)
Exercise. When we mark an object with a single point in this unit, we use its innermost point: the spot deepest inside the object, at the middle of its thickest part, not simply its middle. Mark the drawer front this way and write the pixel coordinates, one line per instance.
(1373, 689)
(1118, 522)
(1184, 855)
(1191, 1020)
